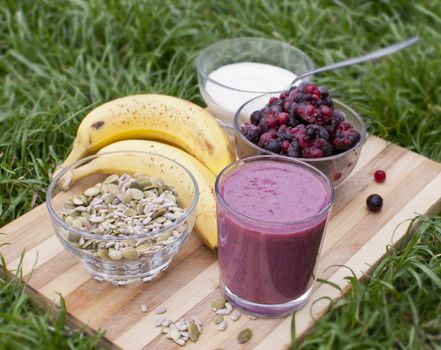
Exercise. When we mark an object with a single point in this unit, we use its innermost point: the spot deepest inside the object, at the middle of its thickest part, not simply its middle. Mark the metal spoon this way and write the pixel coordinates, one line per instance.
(368, 57)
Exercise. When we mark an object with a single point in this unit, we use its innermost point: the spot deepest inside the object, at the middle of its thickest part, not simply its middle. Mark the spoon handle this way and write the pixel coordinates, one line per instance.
(368, 57)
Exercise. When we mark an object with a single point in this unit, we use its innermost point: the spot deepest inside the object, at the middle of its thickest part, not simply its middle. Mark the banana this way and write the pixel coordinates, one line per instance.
(205, 225)
(159, 117)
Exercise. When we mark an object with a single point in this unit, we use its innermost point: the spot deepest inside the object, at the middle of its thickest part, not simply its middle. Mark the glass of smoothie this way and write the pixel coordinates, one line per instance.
(272, 213)
(232, 71)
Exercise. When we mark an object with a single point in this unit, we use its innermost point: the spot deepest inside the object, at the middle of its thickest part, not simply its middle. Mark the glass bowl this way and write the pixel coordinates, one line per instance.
(123, 257)
(222, 99)
(337, 167)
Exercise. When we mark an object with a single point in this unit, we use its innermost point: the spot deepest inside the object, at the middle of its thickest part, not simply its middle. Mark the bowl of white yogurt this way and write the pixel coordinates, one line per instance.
(233, 71)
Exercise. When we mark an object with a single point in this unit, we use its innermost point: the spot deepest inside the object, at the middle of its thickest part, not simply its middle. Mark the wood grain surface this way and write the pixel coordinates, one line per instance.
(355, 238)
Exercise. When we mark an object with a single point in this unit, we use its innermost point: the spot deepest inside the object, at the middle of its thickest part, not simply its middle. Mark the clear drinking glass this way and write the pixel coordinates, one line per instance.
(268, 267)
(149, 260)
(337, 167)
(224, 100)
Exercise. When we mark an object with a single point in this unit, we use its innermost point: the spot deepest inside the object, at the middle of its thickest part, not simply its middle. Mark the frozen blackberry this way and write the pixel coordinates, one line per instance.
(345, 137)
(302, 122)
(267, 123)
(251, 132)
(266, 137)
(273, 146)
(255, 117)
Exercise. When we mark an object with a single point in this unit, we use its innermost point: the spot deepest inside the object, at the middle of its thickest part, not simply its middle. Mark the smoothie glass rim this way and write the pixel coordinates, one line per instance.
(275, 158)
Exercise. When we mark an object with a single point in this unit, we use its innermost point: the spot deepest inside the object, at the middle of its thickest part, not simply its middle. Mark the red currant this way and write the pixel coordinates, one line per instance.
(380, 176)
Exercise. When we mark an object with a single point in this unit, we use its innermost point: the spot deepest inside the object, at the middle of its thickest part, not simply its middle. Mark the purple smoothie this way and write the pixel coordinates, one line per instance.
(271, 221)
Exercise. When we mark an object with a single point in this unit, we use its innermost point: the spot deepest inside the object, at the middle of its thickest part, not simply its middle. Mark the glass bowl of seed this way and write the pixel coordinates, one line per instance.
(123, 215)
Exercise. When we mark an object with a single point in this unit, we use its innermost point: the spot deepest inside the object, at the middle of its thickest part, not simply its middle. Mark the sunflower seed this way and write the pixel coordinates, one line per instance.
(222, 326)
(110, 179)
(166, 322)
(115, 254)
(223, 312)
(235, 315)
(181, 326)
(180, 342)
(160, 310)
(159, 321)
(196, 320)
(228, 307)
(144, 308)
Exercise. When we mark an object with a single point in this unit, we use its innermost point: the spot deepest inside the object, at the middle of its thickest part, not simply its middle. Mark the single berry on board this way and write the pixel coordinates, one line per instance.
(374, 202)
(380, 176)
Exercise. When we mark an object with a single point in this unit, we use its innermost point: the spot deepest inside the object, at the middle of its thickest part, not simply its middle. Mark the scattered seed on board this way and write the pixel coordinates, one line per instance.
(160, 310)
(196, 319)
(193, 332)
(218, 319)
(159, 322)
(166, 323)
(144, 308)
(218, 304)
(222, 326)
(223, 312)
(235, 315)
(180, 342)
(228, 307)
(174, 332)
(244, 336)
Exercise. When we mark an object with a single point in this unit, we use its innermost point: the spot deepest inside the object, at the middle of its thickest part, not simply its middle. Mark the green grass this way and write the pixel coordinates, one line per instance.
(58, 59)
(24, 326)
(398, 307)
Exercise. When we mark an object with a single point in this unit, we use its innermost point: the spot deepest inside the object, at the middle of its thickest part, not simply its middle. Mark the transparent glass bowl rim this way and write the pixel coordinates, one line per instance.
(276, 158)
(87, 234)
(309, 160)
(202, 53)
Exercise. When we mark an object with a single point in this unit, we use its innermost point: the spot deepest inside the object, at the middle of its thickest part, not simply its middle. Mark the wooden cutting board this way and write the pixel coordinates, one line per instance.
(355, 238)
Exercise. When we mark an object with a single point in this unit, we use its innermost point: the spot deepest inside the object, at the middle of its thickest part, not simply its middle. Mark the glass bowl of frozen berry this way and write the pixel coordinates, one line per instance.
(302, 122)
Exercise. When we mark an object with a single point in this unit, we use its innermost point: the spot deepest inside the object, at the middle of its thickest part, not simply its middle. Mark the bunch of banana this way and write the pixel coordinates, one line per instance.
(155, 117)
(204, 148)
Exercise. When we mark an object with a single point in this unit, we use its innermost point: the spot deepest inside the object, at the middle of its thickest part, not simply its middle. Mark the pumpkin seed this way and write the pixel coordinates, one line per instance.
(244, 336)
(77, 200)
(193, 332)
(92, 191)
(110, 179)
(218, 319)
(130, 253)
(219, 304)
